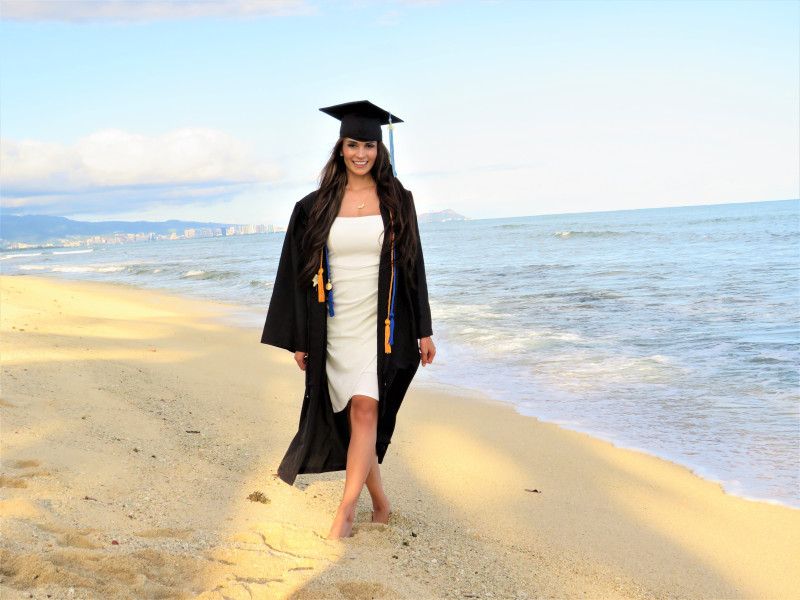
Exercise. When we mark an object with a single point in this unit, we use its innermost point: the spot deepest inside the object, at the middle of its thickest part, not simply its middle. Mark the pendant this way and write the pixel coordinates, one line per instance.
(362, 205)
(328, 286)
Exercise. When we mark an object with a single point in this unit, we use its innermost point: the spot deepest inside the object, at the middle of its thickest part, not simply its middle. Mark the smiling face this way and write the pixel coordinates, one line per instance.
(359, 157)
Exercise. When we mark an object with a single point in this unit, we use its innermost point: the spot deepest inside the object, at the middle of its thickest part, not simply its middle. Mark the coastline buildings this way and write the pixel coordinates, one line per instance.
(37, 231)
(129, 238)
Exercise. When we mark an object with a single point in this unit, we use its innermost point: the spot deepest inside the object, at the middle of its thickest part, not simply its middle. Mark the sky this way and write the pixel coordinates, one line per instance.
(208, 109)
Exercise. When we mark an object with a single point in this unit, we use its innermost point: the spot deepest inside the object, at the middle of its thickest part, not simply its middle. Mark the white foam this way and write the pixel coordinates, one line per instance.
(21, 255)
(89, 269)
(75, 251)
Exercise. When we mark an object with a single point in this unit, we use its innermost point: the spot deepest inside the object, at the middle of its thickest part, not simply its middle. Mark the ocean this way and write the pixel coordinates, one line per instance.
(674, 331)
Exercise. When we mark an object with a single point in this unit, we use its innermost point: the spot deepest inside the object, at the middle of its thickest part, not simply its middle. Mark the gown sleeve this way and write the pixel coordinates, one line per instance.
(419, 295)
(287, 318)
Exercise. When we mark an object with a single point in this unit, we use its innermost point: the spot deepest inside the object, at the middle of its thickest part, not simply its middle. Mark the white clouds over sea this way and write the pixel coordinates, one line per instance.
(115, 166)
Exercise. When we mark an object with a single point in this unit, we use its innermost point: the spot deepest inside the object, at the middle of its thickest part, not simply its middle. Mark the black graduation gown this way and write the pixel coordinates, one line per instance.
(297, 321)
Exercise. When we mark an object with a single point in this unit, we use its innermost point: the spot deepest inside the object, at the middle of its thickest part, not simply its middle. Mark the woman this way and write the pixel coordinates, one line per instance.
(350, 301)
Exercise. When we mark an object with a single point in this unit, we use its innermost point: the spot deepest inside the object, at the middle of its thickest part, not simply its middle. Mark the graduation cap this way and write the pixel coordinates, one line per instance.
(362, 121)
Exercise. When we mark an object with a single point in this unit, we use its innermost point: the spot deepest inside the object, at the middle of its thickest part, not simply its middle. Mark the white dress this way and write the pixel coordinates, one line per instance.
(354, 255)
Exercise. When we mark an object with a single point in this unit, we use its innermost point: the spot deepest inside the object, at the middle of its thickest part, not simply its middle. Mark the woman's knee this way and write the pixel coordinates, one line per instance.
(364, 411)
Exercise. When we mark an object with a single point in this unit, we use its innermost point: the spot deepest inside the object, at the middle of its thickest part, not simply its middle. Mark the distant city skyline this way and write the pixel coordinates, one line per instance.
(113, 238)
(208, 110)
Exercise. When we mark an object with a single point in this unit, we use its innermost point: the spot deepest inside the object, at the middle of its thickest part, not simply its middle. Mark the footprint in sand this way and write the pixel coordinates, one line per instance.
(141, 574)
(375, 535)
(165, 532)
(75, 540)
(12, 482)
(25, 465)
(19, 508)
(348, 590)
(361, 590)
(63, 529)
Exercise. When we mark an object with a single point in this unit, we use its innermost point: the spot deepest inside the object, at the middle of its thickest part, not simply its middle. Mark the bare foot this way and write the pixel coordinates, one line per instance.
(381, 512)
(343, 523)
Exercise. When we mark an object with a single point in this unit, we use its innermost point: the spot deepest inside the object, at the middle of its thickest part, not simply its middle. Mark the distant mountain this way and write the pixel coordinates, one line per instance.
(441, 216)
(40, 229)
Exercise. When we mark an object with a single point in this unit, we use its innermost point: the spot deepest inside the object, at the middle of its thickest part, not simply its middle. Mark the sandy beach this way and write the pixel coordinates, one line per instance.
(136, 428)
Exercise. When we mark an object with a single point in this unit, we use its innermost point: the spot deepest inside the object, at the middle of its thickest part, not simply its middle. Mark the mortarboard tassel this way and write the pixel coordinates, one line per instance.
(391, 144)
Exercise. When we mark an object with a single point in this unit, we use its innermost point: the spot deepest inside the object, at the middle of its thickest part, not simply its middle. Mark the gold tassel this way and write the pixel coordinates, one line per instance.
(320, 282)
(387, 348)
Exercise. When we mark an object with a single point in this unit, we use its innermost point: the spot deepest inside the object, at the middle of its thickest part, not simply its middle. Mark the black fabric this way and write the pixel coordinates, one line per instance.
(297, 321)
(363, 129)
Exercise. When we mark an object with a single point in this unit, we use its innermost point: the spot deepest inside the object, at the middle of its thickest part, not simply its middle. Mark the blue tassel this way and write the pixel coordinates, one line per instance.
(391, 144)
(330, 291)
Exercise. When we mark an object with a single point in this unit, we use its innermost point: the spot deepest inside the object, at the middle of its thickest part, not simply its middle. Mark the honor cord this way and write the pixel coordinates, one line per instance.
(330, 291)
(389, 334)
(394, 291)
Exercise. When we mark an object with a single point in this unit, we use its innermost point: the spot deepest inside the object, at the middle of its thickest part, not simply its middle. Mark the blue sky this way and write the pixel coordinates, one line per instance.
(208, 110)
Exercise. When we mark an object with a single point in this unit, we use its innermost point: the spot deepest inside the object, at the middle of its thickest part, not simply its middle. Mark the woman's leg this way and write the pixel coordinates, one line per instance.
(381, 509)
(360, 456)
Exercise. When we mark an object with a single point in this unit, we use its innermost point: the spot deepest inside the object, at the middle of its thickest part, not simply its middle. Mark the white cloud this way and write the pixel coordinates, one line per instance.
(111, 165)
(143, 11)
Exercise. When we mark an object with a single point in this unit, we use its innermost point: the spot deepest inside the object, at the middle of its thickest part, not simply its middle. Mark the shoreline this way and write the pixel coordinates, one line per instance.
(136, 425)
(236, 315)
(695, 470)
(612, 439)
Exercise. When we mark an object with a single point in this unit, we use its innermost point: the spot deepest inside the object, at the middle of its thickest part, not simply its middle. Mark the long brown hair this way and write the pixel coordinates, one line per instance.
(391, 194)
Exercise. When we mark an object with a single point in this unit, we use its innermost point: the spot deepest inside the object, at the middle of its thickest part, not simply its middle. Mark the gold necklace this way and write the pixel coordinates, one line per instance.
(362, 205)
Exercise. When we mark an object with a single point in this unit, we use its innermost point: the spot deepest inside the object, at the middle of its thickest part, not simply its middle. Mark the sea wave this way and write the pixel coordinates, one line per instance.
(211, 274)
(591, 234)
(87, 269)
(514, 226)
(20, 255)
(73, 268)
(257, 284)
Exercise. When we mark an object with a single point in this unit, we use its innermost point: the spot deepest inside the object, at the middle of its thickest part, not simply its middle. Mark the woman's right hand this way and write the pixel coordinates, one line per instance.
(300, 359)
